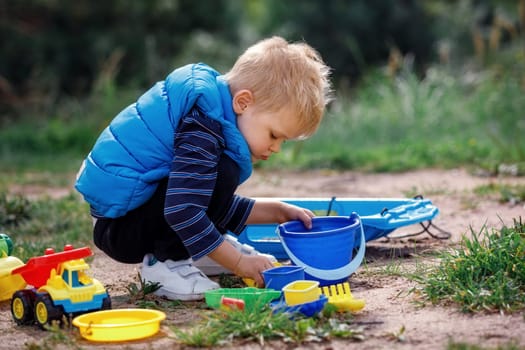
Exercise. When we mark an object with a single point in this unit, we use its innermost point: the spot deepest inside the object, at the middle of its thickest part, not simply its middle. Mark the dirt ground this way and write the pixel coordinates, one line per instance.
(390, 307)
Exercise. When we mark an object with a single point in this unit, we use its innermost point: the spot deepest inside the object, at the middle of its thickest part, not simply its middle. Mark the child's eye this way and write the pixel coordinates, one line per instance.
(272, 135)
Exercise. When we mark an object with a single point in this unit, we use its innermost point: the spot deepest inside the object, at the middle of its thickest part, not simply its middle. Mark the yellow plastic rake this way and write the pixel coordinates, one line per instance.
(340, 296)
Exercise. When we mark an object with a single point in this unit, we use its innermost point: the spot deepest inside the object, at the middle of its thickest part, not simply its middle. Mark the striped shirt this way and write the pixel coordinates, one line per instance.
(198, 146)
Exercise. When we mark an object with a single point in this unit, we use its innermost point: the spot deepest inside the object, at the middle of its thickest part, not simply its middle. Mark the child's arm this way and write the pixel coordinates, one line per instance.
(270, 211)
(242, 265)
(263, 211)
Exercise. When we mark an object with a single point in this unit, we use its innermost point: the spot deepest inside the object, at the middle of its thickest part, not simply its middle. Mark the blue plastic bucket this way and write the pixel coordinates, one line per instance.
(325, 251)
(278, 277)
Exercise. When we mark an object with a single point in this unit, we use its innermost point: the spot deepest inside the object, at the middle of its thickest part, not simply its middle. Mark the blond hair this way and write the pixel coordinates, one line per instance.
(284, 75)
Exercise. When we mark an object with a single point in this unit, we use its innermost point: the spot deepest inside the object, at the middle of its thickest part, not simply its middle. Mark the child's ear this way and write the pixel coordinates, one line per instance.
(241, 100)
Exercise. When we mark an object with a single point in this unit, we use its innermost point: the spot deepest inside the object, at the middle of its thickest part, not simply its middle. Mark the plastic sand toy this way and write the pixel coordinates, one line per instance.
(380, 217)
(232, 303)
(300, 292)
(10, 283)
(6, 245)
(326, 249)
(278, 277)
(119, 325)
(252, 297)
(340, 296)
(251, 283)
(61, 287)
(308, 309)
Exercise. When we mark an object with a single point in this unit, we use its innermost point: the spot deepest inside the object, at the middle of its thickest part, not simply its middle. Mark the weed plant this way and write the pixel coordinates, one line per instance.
(221, 327)
(56, 337)
(13, 210)
(142, 295)
(487, 273)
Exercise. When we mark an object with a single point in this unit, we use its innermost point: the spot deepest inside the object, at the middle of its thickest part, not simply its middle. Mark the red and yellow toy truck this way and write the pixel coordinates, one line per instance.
(61, 287)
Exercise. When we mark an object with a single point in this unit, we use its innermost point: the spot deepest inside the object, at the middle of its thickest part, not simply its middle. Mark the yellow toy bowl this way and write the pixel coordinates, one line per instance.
(301, 291)
(119, 325)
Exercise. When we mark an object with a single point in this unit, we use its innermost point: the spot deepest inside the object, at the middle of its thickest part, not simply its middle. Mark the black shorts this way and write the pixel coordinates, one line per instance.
(145, 230)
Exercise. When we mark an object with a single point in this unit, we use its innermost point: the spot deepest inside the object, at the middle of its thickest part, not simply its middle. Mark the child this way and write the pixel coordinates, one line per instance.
(161, 178)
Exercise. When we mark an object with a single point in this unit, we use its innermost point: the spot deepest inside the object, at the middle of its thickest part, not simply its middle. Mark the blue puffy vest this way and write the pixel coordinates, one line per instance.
(136, 150)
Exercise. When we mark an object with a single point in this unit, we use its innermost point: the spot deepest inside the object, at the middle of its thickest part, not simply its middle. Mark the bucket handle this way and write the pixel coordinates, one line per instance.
(333, 274)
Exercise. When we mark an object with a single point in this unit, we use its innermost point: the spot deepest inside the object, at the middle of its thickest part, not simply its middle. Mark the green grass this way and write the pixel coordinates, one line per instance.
(486, 273)
(513, 194)
(465, 346)
(34, 225)
(56, 337)
(443, 120)
(56, 139)
(49, 179)
(450, 117)
(225, 327)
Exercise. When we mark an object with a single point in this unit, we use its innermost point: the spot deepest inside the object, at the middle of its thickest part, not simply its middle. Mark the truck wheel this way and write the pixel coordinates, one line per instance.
(46, 312)
(22, 307)
(106, 303)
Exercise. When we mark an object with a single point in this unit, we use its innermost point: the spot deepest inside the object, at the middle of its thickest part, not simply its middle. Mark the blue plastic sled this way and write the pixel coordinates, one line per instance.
(379, 217)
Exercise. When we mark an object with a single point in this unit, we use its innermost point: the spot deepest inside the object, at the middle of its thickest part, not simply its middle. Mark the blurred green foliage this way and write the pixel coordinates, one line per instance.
(447, 119)
(34, 225)
(353, 35)
(419, 84)
(52, 48)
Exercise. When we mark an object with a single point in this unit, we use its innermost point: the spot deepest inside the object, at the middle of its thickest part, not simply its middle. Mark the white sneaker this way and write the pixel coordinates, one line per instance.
(179, 280)
(211, 268)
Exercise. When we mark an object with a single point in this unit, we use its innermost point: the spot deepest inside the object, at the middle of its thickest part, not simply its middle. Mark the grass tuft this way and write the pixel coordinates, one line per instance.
(488, 273)
(13, 210)
(513, 194)
(222, 327)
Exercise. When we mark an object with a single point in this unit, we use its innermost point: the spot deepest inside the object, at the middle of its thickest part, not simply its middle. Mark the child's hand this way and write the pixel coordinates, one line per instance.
(292, 212)
(270, 211)
(252, 266)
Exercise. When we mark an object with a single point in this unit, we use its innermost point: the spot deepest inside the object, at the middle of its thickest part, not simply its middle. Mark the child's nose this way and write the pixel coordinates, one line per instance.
(276, 146)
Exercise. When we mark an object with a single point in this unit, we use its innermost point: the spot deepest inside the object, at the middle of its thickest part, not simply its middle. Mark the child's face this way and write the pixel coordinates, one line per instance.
(266, 131)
